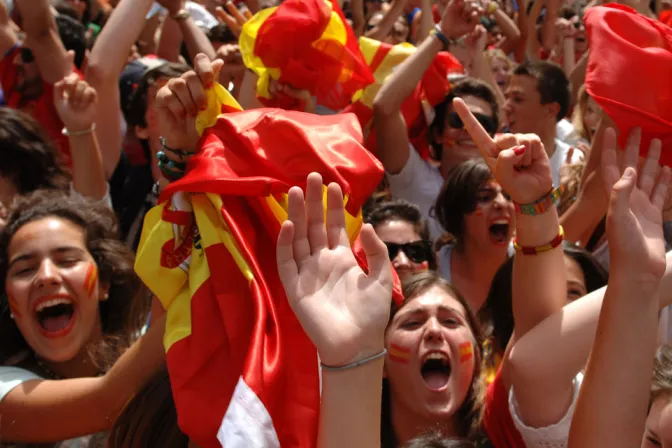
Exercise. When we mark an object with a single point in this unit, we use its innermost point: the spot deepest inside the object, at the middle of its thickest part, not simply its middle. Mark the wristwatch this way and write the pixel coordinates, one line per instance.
(180, 15)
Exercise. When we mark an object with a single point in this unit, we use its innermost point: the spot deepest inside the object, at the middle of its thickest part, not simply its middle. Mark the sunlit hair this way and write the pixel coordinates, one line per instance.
(469, 415)
(122, 314)
(579, 113)
(496, 53)
(661, 385)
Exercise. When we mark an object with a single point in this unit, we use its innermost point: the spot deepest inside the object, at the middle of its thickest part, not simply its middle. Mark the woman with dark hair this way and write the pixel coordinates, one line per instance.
(69, 308)
(404, 231)
(478, 217)
(584, 275)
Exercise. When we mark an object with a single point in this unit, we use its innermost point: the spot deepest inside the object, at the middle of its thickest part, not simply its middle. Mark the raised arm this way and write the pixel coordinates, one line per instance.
(179, 22)
(76, 104)
(384, 27)
(615, 394)
(64, 409)
(392, 137)
(358, 17)
(8, 36)
(521, 166)
(345, 318)
(105, 63)
(509, 29)
(43, 39)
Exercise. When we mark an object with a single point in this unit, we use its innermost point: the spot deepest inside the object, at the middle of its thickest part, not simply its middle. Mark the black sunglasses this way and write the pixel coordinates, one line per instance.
(488, 123)
(26, 55)
(417, 251)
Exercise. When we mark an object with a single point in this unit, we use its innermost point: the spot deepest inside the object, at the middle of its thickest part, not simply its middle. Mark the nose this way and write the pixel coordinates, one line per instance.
(401, 261)
(500, 200)
(47, 275)
(433, 330)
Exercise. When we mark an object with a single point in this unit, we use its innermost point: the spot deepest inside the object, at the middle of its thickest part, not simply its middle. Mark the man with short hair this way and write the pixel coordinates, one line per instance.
(537, 98)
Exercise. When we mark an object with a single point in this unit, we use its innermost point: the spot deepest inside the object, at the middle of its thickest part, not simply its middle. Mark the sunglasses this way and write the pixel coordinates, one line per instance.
(417, 251)
(26, 55)
(488, 123)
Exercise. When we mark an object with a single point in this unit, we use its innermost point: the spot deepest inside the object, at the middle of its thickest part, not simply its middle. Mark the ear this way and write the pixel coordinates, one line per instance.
(103, 292)
(552, 110)
(142, 133)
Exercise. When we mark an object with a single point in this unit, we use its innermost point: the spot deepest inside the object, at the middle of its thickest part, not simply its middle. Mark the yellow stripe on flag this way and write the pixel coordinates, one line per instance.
(246, 44)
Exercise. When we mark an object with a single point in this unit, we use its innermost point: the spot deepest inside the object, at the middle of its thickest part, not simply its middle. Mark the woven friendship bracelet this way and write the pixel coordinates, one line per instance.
(543, 204)
(536, 250)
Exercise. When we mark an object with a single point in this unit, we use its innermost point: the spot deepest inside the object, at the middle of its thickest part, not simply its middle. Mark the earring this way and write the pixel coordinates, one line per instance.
(11, 316)
(106, 296)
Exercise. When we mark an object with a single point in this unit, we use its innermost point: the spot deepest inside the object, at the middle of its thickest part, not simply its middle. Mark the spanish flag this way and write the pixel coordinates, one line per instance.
(417, 110)
(308, 45)
(242, 370)
(630, 72)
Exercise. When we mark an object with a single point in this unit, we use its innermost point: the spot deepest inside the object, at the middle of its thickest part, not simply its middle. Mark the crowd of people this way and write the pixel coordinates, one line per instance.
(504, 283)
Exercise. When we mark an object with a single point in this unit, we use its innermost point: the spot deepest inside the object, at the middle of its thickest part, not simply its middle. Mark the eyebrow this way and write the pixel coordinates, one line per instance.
(442, 308)
(652, 433)
(32, 255)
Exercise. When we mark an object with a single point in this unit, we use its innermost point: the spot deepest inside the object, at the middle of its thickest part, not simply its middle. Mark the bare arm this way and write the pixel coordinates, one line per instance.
(107, 59)
(358, 19)
(384, 27)
(64, 409)
(195, 39)
(533, 45)
(522, 23)
(578, 76)
(548, 31)
(44, 40)
(426, 22)
(509, 30)
(615, 394)
(8, 36)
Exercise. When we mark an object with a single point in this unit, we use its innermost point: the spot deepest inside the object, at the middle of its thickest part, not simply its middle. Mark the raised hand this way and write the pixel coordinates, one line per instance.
(343, 311)
(234, 18)
(460, 17)
(518, 161)
(635, 215)
(179, 102)
(173, 6)
(76, 103)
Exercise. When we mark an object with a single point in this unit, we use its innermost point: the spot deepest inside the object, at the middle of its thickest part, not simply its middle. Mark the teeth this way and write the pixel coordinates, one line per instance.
(439, 356)
(52, 302)
(501, 221)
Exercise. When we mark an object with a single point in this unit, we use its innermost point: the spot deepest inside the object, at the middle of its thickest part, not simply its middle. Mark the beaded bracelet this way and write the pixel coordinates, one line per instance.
(171, 170)
(536, 250)
(546, 202)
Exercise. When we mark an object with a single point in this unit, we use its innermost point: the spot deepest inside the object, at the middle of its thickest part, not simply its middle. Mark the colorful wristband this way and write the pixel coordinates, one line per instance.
(536, 250)
(171, 170)
(545, 203)
(436, 32)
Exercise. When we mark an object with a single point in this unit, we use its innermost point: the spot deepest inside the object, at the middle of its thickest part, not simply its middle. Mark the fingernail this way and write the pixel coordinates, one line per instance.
(518, 150)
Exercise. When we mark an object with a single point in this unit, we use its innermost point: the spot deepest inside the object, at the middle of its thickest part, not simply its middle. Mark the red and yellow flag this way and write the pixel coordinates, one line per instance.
(235, 351)
(630, 73)
(308, 45)
(382, 59)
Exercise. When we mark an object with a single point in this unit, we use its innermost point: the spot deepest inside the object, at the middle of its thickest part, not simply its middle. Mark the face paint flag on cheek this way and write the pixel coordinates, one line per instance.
(399, 354)
(91, 279)
(466, 352)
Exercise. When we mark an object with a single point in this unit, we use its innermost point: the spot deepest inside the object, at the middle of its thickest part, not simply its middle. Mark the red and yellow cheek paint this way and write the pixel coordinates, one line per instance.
(466, 352)
(13, 307)
(399, 354)
(91, 279)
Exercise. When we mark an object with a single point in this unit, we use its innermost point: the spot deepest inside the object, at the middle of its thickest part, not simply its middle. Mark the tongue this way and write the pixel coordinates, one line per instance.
(436, 380)
(54, 324)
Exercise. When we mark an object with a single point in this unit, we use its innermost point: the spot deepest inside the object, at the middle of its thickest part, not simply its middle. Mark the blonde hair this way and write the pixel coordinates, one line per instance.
(579, 113)
(496, 53)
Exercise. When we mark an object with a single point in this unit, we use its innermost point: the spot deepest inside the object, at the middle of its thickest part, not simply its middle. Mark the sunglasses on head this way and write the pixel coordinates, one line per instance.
(488, 123)
(417, 251)
(26, 55)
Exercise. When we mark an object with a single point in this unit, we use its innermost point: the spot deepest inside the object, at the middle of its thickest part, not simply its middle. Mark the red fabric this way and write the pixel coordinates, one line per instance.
(497, 419)
(42, 109)
(360, 255)
(436, 14)
(630, 71)
(248, 329)
(666, 17)
(286, 40)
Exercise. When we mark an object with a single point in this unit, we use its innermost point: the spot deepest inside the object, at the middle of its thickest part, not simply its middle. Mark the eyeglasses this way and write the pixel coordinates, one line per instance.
(417, 251)
(488, 123)
(26, 55)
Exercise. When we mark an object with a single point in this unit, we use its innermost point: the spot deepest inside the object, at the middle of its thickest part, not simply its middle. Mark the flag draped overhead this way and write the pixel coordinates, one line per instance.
(308, 45)
(243, 372)
(417, 109)
(630, 72)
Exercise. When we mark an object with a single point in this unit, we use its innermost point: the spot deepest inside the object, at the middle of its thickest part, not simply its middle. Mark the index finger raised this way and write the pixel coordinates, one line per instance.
(480, 136)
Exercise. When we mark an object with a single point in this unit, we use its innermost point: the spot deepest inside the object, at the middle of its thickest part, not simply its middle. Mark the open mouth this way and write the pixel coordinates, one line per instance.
(466, 142)
(436, 371)
(499, 232)
(55, 316)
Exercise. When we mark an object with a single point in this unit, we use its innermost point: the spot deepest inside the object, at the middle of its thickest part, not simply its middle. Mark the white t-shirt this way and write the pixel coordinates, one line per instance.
(10, 377)
(553, 436)
(559, 158)
(420, 183)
